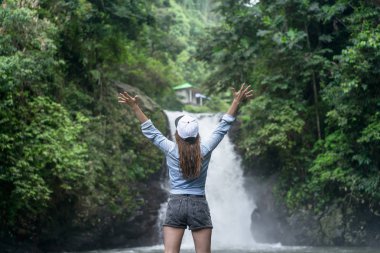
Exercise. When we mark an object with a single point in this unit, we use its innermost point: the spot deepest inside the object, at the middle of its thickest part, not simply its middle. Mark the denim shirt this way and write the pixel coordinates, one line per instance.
(178, 184)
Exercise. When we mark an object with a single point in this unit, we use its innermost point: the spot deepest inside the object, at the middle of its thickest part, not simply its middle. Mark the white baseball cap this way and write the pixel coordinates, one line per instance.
(187, 126)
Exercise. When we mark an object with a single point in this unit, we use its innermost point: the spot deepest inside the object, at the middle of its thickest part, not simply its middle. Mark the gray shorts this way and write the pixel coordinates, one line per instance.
(188, 211)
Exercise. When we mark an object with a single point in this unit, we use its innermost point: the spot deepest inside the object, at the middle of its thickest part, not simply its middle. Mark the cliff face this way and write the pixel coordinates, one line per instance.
(338, 225)
(140, 229)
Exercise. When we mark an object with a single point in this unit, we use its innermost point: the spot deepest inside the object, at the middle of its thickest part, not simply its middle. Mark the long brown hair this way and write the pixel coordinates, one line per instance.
(190, 159)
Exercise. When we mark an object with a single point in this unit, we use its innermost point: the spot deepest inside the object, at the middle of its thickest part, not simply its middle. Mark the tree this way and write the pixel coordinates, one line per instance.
(314, 118)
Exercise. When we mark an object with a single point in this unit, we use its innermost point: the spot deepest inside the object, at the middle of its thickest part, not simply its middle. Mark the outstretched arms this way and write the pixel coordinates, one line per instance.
(239, 96)
(125, 98)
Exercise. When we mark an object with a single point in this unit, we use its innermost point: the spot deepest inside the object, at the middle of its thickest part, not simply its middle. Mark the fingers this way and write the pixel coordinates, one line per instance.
(238, 94)
(125, 94)
(249, 93)
(122, 98)
(242, 87)
(245, 92)
(246, 89)
(126, 98)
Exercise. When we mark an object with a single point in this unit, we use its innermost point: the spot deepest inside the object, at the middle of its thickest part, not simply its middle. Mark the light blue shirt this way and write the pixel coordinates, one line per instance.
(178, 184)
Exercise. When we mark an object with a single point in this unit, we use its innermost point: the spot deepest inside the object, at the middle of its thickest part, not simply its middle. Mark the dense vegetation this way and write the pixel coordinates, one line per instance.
(315, 119)
(71, 156)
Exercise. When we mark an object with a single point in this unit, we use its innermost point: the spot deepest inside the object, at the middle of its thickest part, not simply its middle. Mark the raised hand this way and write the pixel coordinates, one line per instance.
(125, 98)
(244, 93)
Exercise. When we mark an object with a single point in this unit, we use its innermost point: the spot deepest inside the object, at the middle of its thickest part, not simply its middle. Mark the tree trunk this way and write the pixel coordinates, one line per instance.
(316, 105)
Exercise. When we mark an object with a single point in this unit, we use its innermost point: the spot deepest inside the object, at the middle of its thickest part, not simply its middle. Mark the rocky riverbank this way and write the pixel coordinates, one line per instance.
(338, 225)
(139, 229)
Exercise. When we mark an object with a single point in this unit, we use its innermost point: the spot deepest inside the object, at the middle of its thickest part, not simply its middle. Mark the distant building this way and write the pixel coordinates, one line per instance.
(188, 94)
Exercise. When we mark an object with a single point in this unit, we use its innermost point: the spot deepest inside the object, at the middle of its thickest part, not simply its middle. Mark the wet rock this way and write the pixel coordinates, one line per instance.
(19, 248)
(340, 224)
(332, 226)
(303, 229)
(265, 225)
(361, 228)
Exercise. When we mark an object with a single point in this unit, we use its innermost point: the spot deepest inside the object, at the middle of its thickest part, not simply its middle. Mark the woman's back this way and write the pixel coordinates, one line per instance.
(179, 184)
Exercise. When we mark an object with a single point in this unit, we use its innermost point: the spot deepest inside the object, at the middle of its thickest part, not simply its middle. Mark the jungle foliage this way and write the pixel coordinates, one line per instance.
(71, 156)
(314, 121)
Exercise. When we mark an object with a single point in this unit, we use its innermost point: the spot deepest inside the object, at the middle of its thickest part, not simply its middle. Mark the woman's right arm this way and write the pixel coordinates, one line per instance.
(147, 127)
(155, 136)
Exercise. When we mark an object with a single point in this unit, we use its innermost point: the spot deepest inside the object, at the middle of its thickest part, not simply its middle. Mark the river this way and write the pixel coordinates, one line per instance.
(231, 206)
(260, 249)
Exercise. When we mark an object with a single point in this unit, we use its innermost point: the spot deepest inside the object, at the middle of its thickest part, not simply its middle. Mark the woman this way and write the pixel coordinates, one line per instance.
(187, 160)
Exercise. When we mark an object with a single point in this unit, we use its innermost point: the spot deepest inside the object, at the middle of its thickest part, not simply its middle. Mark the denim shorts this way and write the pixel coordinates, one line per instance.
(188, 211)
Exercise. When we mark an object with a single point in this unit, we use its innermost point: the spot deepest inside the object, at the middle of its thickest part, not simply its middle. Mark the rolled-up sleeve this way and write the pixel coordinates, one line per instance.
(156, 137)
(221, 130)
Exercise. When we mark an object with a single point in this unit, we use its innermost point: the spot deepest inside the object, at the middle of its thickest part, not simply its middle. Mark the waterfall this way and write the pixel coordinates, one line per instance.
(230, 205)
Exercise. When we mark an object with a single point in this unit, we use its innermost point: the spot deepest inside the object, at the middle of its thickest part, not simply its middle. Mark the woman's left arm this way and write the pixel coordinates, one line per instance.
(125, 98)
(224, 125)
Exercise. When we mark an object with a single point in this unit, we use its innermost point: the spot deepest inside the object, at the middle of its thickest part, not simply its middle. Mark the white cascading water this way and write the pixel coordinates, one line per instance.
(230, 205)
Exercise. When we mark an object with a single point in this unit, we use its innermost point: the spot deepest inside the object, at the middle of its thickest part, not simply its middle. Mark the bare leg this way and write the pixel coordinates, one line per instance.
(202, 240)
(173, 239)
